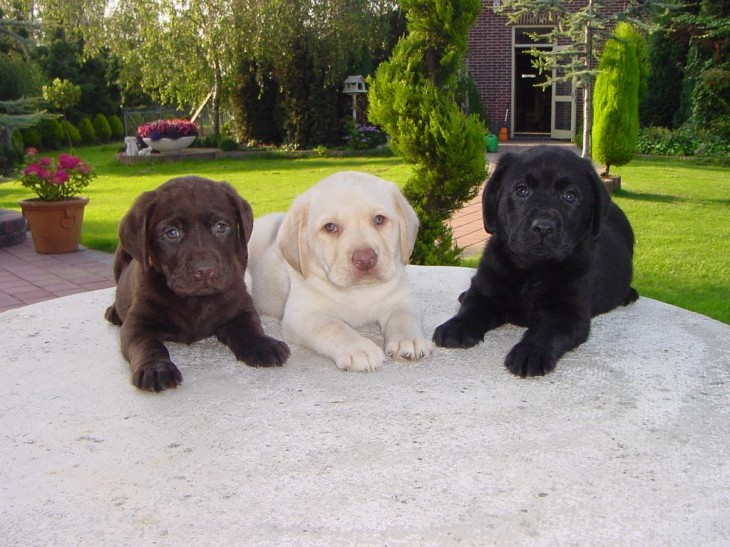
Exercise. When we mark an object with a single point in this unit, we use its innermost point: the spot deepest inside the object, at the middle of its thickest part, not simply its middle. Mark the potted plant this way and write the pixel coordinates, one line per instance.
(168, 135)
(56, 215)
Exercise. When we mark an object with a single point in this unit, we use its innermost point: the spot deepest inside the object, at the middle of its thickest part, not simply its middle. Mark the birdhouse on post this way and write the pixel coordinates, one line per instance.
(354, 85)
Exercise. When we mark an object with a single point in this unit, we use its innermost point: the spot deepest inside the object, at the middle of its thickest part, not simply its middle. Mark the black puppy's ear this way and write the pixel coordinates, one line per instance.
(490, 197)
(134, 228)
(244, 217)
(602, 200)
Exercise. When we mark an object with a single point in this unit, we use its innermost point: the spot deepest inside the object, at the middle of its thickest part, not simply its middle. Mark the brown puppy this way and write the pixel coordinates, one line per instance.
(179, 269)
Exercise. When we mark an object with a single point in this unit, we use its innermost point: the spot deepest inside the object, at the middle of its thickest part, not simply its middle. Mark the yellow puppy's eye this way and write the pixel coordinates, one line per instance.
(378, 220)
(330, 227)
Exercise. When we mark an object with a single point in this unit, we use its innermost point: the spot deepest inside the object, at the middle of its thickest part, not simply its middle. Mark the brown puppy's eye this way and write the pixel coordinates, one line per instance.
(570, 196)
(379, 220)
(331, 227)
(220, 228)
(172, 233)
(522, 191)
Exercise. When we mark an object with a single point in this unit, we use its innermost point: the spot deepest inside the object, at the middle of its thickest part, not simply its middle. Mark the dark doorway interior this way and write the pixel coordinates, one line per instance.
(532, 104)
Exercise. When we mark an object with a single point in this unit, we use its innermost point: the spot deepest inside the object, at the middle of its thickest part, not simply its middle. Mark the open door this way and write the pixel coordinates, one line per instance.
(562, 119)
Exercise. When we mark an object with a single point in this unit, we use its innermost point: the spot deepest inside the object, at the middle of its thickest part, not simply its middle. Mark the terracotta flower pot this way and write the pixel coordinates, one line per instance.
(55, 225)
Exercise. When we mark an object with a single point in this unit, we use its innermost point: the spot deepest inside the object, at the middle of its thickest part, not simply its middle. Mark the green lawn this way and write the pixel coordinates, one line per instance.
(269, 184)
(680, 211)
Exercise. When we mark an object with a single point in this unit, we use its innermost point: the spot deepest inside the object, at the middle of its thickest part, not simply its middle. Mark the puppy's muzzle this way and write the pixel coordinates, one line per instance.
(364, 259)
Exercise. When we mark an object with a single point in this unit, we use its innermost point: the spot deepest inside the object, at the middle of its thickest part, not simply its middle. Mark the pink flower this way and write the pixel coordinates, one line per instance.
(59, 177)
(31, 169)
(43, 174)
(45, 161)
(30, 151)
(68, 162)
(83, 168)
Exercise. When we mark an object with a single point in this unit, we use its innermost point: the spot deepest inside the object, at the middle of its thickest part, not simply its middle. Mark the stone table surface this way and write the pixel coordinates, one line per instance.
(627, 442)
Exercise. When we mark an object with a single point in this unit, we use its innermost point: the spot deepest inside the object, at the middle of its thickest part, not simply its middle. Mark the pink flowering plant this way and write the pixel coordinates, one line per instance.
(167, 129)
(59, 180)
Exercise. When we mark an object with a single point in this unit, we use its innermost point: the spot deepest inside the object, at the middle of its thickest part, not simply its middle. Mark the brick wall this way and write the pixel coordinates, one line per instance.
(490, 61)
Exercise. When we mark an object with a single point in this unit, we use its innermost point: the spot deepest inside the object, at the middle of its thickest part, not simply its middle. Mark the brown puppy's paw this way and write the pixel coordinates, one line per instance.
(112, 316)
(264, 352)
(527, 359)
(157, 376)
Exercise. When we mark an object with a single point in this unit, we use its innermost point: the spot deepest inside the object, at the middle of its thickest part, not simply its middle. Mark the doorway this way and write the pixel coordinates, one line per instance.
(532, 103)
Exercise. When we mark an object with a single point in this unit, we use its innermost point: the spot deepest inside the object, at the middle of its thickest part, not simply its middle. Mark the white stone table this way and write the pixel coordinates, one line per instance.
(626, 443)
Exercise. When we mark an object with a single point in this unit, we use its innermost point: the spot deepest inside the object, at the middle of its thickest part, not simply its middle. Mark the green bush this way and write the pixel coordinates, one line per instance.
(12, 156)
(31, 137)
(52, 135)
(616, 99)
(661, 141)
(71, 132)
(363, 136)
(16, 140)
(415, 103)
(228, 144)
(117, 127)
(86, 130)
(101, 128)
(207, 141)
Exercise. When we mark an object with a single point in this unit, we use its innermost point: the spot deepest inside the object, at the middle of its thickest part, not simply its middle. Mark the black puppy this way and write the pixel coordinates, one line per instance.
(560, 252)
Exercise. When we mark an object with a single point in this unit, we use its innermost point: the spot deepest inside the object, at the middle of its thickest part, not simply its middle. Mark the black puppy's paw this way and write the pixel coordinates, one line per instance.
(157, 376)
(632, 297)
(112, 316)
(264, 352)
(457, 333)
(526, 359)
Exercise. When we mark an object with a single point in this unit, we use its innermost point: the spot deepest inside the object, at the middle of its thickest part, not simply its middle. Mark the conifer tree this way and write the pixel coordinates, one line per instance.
(412, 97)
(616, 98)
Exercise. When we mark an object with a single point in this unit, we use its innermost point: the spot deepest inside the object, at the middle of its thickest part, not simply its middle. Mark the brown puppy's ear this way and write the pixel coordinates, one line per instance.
(492, 191)
(602, 200)
(292, 237)
(244, 218)
(407, 224)
(134, 236)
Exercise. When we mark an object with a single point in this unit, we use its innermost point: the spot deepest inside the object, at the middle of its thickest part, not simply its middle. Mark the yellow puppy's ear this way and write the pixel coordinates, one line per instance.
(292, 237)
(407, 223)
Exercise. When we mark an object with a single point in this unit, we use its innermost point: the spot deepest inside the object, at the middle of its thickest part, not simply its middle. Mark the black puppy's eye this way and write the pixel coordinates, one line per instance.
(330, 227)
(172, 233)
(569, 196)
(379, 220)
(220, 228)
(522, 191)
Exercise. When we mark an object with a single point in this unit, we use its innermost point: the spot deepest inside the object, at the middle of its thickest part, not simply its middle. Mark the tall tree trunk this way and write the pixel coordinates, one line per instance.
(588, 88)
(217, 92)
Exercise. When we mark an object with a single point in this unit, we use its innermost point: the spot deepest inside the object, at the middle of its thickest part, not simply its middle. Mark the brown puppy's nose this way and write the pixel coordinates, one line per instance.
(364, 259)
(204, 273)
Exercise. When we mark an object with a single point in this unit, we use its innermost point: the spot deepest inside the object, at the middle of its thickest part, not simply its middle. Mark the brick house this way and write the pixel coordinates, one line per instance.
(499, 62)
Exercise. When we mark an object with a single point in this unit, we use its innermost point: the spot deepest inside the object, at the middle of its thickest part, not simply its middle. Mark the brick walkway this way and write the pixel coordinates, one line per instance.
(27, 277)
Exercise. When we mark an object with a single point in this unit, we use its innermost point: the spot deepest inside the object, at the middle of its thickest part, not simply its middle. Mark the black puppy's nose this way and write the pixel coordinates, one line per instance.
(543, 227)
